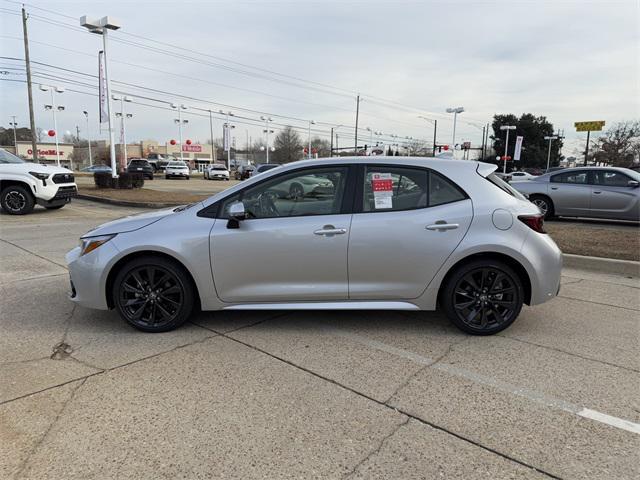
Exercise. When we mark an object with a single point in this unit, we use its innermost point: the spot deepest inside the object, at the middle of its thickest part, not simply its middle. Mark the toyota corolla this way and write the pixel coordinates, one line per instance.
(367, 233)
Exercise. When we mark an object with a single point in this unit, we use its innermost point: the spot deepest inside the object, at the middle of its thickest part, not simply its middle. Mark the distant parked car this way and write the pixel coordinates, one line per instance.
(177, 169)
(263, 167)
(521, 175)
(216, 171)
(158, 161)
(553, 169)
(97, 169)
(243, 172)
(597, 192)
(140, 165)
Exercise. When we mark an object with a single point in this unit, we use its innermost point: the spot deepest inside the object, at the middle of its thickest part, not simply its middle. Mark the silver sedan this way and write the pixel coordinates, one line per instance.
(596, 192)
(373, 233)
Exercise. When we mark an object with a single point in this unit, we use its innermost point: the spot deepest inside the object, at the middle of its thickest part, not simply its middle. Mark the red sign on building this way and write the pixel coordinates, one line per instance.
(192, 148)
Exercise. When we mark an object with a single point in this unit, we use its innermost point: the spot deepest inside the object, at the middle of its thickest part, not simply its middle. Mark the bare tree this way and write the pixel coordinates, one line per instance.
(322, 146)
(288, 145)
(619, 145)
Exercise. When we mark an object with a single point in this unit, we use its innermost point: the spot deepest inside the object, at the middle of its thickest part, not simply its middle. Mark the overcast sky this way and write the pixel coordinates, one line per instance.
(567, 60)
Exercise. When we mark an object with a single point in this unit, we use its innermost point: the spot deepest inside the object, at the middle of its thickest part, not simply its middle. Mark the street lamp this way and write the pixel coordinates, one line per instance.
(267, 131)
(311, 122)
(53, 107)
(455, 112)
(86, 114)
(370, 130)
(551, 138)
(507, 128)
(332, 129)
(435, 128)
(179, 121)
(227, 136)
(14, 124)
(102, 26)
(123, 127)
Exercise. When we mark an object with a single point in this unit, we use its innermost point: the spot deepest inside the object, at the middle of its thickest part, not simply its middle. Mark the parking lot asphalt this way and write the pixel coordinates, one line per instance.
(308, 394)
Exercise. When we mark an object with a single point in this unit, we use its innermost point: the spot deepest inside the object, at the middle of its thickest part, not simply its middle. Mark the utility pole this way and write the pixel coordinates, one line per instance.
(357, 115)
(77, 134)
(435, 128)
(14, 124)
(27, 61)
(213, 146)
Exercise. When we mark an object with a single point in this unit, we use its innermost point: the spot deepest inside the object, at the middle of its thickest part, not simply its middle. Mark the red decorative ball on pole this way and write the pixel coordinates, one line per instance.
(188, 142)
(445, 147)
(51, 133)
(172, 142)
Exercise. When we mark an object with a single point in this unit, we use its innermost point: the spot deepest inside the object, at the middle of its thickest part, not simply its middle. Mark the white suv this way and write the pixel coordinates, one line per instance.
(23, 184)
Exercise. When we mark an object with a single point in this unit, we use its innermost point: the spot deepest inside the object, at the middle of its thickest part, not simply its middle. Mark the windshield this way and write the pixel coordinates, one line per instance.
(504, 186)
(177, 164)
(218, 167)
(6, 157)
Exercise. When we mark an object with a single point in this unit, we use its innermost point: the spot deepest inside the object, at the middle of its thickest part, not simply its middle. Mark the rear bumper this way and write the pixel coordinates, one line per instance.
(545, 260)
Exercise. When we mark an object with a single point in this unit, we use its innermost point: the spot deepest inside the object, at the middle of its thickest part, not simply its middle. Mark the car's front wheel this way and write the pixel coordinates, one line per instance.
(483, 297)
(153, 294)
(17, 200)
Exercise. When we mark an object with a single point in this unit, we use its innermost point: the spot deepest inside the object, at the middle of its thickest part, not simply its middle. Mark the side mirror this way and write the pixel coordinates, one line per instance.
(237, 213)
(633, 183)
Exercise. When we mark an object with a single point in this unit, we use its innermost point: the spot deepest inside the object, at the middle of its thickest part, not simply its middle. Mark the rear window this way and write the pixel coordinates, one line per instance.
(504, 186)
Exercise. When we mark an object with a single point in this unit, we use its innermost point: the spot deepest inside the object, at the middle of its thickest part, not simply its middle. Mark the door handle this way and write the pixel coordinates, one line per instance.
(554, 188)
(442, 226)
(597, 192)
(329, 230)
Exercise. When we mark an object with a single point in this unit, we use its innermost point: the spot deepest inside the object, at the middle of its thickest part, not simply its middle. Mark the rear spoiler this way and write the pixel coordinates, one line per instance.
(486, 169)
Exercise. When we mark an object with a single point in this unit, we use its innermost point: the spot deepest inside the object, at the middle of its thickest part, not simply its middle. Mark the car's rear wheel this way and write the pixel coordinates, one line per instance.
(153, 294)
(17, 200)
(483, 297)
(544, 204)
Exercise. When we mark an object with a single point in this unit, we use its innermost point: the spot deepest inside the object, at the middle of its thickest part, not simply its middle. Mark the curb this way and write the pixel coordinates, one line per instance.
(126, 203)
(602, 265)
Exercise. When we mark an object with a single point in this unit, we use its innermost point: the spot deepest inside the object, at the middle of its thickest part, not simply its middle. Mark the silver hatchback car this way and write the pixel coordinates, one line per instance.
(596, 192)
(373, 233)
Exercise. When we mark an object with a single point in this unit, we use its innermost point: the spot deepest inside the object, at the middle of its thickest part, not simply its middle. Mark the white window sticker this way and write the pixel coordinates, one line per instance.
(382, 186)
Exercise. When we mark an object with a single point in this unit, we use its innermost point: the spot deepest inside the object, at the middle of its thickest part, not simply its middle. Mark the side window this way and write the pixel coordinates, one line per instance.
(317, 191)
(394, 188)
(442, 191)
(579, 177)
(610, 178)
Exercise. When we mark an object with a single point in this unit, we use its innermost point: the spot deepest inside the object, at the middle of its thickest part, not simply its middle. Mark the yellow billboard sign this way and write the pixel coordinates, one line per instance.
(589, 126)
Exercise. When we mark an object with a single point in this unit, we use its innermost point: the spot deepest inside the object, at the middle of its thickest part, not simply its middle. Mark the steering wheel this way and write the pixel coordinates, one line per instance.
(267, 205)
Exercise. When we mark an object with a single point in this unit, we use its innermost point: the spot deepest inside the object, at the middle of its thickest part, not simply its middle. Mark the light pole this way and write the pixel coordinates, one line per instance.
(370, 130)
(102, 26)
(455, 112)
(332, 129)
(86, 114)
(227, 136)
(267, 131)
(14, 124)
(435, 128)
(53, 107)
(551, 138)
(311, 122)
(507, 128)
(123, 127)
(179, 121)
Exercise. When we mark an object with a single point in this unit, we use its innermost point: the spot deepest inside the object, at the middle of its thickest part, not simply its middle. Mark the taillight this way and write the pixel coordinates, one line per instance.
(535, 222)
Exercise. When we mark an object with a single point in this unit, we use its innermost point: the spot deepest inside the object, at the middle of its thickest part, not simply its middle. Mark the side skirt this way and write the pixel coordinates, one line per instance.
(355, 305)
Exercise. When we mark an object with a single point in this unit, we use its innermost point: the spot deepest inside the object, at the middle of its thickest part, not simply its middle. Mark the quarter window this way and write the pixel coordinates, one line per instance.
(302, 193)
(442, 191)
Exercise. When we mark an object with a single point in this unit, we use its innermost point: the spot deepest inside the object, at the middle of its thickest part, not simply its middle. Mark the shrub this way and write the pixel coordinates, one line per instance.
(124, 181)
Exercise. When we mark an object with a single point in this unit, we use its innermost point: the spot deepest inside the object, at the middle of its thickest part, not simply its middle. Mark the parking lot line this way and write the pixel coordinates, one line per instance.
(524, 392)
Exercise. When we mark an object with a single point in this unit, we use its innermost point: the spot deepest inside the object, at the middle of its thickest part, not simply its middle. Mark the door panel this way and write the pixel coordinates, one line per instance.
(612, 198)
(571, 193)
(281, 259)
(392, 255)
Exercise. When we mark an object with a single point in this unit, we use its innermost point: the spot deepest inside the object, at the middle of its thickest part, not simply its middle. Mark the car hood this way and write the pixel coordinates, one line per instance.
(129, 224)
(36, 167)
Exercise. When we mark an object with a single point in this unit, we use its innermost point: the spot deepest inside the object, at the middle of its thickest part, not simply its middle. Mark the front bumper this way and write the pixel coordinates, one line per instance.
(169, 173)
(218, 176)
(88, 275)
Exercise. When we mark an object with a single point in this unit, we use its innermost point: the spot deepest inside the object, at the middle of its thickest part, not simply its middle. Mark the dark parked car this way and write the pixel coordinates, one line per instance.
(244, 172)
(140, 165)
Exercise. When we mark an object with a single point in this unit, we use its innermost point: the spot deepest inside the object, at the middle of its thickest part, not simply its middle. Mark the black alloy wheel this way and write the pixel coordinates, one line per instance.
(483, 297)
(153, 294)
(17, 200)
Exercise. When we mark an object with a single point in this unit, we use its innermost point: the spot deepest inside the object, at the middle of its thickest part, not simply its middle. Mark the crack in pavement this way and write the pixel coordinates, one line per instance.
(33, 253)
(377, 449)
(37, 445)
(599, 303)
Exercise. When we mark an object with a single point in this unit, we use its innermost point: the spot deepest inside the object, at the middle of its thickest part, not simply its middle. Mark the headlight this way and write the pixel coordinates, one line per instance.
(91, 243)
(39, 176)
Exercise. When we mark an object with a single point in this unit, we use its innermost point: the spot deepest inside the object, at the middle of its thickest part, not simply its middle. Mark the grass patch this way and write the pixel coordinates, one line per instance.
(620, 242)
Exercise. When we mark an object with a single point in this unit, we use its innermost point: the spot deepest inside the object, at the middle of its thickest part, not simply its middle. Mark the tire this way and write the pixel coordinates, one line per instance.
(166, 177)
(545, 204)
(54, 207)
(187, 178)
(146, 308)
(474, 307)
(17, 200)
